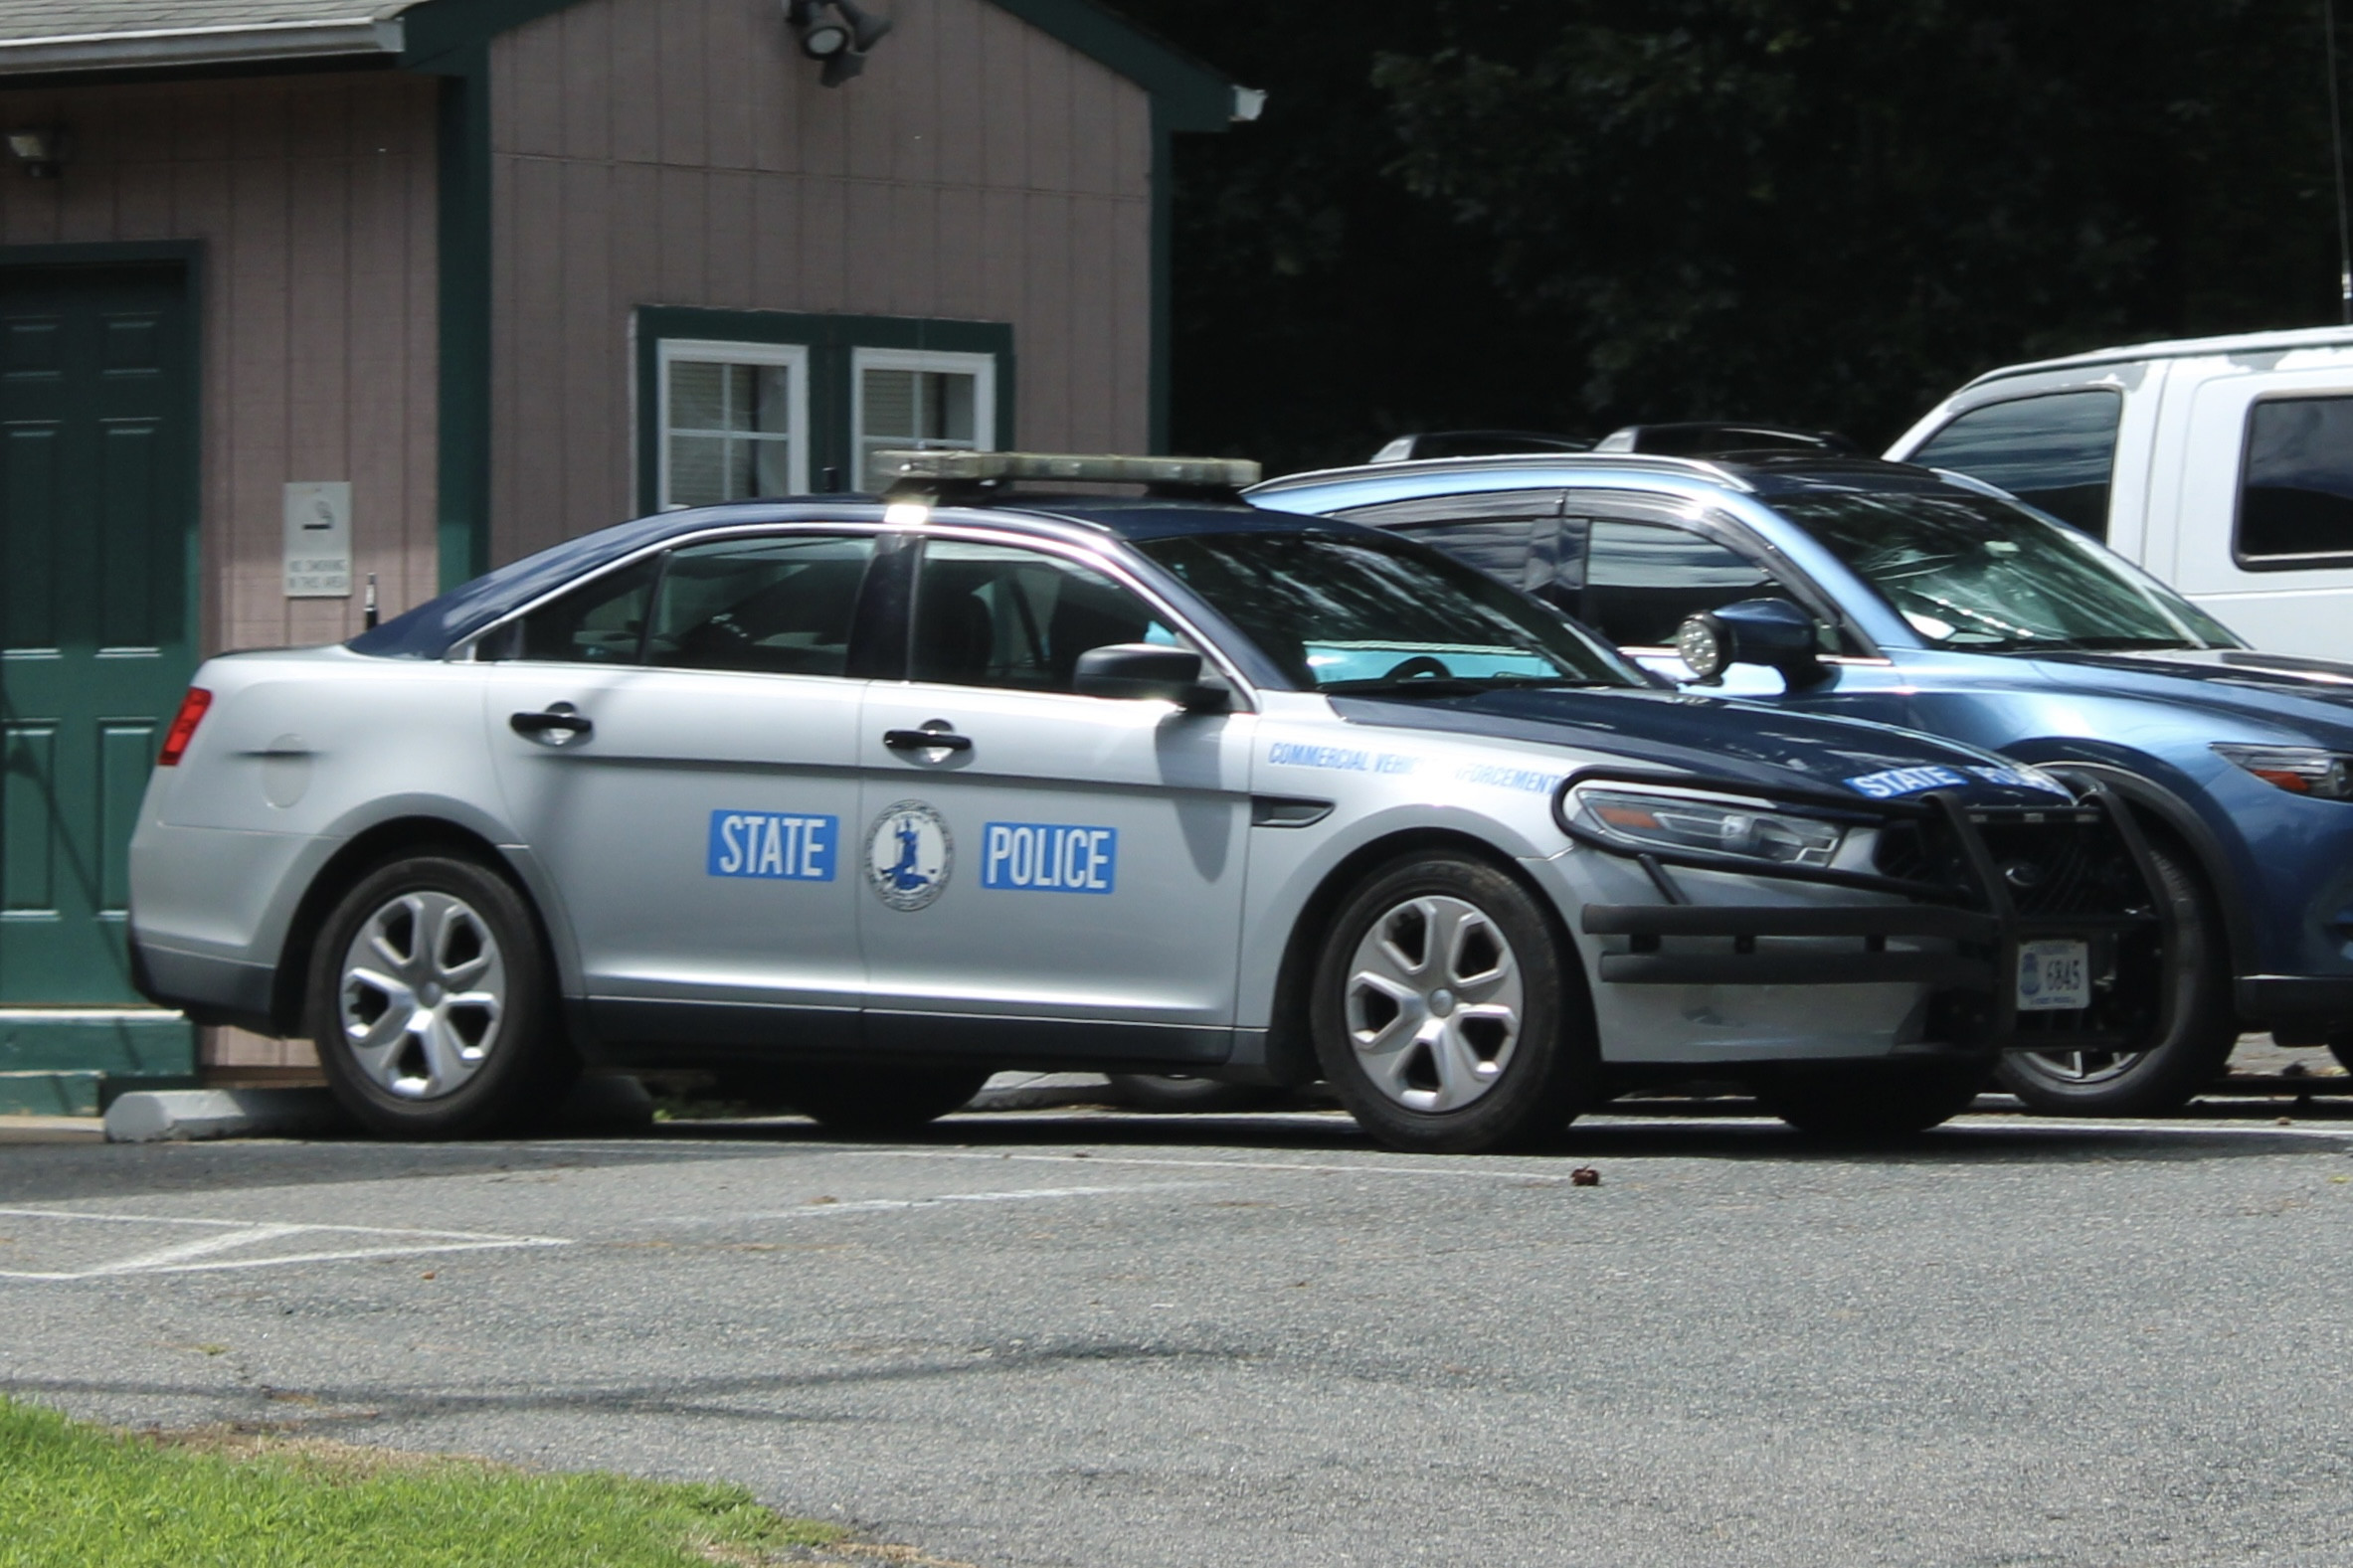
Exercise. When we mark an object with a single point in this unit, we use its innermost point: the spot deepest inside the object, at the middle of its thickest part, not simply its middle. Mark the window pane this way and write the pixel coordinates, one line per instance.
(698, 469)
(598, 622)
(777, 606)
(1643, 578)
(2055, 451)
(699, 396)
(948, 407)
(2298, 498)
(772, 467)
(740, 379)
(770, 389)
(992, 616)
(887, 404)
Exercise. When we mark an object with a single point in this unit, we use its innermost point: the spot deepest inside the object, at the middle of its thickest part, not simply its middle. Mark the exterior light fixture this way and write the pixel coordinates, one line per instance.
(836, 33)
(41, 149)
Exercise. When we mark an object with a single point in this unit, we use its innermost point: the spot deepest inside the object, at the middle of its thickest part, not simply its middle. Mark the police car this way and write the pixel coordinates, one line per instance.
(868, 798)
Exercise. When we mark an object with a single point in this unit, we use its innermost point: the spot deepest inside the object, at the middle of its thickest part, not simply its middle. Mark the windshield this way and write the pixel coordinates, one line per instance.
(1968, 571)
(1365, 612)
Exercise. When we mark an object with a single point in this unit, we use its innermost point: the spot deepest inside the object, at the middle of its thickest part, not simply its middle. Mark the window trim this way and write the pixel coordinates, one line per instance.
(2316, 561)
(981, 367)
(793, 355)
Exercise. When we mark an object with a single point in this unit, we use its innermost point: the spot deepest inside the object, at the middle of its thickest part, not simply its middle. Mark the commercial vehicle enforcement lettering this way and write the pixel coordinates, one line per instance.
(777, 845)
(1048, 857)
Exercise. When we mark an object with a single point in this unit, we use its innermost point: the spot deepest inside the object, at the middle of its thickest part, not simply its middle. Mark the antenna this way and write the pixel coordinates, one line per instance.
(2336, 151)
(368, 614)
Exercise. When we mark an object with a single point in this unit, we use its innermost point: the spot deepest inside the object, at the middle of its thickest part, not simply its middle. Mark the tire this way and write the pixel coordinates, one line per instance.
(451, 945)
(1174, 1094)
(1873, 1100)
(882, 1100)
(1433, 1060)
(2161, 1080)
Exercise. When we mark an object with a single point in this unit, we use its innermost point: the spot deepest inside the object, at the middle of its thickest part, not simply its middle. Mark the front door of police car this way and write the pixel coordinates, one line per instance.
(676, 740)
(1044, 874)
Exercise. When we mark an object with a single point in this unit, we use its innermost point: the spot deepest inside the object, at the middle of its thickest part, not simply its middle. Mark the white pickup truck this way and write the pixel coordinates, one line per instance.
(2223, 465)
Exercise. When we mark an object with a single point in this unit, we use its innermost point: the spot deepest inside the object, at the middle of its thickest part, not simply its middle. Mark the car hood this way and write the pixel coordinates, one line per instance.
(2273, 688)
(1719, 738)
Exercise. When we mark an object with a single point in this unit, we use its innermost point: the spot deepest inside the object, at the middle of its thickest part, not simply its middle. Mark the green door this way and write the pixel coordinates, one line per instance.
(97, 517)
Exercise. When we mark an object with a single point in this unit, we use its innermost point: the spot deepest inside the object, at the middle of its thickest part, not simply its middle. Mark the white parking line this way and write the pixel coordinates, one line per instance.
(230, 1235)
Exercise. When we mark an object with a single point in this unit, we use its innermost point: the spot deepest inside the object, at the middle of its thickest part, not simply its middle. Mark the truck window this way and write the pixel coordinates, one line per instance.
(1512, 535)
(2295, 494)
(2056, 451)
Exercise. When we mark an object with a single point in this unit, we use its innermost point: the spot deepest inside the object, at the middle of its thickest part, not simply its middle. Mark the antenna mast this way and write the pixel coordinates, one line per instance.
(2336, 150)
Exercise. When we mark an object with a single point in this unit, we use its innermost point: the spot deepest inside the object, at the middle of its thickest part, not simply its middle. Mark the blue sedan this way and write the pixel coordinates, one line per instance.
(1926, 599)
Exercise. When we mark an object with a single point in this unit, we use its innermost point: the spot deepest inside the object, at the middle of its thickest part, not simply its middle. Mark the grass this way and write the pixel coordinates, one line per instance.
(78, 1494)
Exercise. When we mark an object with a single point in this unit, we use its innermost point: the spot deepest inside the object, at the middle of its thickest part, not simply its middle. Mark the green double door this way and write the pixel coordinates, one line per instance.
(97, 517)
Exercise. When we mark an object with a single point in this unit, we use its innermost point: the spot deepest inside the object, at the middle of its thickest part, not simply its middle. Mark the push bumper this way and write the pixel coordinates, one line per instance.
(1959, 896)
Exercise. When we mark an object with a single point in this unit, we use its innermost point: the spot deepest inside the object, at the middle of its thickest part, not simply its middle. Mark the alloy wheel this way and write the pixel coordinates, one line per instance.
(423, 994)
(1434, 1002)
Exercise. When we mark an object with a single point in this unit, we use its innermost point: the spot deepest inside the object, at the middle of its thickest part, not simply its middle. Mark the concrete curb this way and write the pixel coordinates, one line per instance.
(1041, 1092)
(159, 1116)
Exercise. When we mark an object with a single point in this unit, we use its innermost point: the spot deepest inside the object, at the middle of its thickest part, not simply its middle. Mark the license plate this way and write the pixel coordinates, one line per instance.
(2054, 976)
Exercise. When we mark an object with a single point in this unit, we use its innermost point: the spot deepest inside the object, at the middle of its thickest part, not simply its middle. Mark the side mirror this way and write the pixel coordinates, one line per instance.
(1770, 632)
(1150, 672)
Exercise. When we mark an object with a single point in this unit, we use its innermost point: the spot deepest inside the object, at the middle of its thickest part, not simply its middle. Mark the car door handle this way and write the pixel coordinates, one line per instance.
(925, 741)
(559, 725)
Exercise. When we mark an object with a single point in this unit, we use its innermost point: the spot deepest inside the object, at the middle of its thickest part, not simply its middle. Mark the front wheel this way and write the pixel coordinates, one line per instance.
(432, 1003)
(1866, 1099)
(1443, 1015)
(2163, 1077)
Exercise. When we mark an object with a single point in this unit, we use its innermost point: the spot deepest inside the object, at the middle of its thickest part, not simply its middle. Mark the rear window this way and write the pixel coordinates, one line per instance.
(2295, 496)
(2056, 451)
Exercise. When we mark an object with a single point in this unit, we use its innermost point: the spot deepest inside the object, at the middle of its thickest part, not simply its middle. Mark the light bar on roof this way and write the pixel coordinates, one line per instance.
(973, 467)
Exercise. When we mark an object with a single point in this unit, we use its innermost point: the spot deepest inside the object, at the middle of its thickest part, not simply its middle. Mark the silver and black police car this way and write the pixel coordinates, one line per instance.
(864, 799)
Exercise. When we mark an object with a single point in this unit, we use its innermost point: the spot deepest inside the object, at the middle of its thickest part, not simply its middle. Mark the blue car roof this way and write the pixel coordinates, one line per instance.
(434, 627)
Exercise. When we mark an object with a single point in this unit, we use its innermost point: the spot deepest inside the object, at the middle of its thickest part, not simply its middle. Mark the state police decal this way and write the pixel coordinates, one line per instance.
(909, 856)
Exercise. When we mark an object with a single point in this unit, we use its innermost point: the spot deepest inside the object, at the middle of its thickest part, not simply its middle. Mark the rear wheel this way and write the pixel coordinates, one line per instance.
(1873, 1099)
(432, 1003)
(2163, 1077)
(878, 1100)
(1442, 1015)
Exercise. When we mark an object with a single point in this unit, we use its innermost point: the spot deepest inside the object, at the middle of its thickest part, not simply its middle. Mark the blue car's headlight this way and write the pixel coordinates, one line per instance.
(1660, 819)
(2299, 770)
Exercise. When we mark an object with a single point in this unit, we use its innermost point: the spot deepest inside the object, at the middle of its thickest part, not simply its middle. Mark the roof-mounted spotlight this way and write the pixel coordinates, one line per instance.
(838, 32)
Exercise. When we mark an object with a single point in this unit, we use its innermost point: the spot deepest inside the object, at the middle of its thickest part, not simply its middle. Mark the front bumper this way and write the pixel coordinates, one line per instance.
(1955, 867)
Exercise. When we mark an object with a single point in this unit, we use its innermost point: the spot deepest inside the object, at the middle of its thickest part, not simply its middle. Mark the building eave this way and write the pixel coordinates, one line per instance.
(169, 47)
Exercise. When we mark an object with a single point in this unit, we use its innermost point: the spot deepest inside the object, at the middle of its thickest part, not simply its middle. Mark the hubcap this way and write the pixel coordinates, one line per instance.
(423, 992)
(1434, 1004)
(2081, 1069)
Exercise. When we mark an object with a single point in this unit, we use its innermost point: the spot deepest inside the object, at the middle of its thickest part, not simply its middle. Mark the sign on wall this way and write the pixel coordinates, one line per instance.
(318, 539)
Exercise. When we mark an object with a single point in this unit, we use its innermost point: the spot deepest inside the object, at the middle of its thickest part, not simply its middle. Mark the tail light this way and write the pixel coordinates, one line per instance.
(183, 730)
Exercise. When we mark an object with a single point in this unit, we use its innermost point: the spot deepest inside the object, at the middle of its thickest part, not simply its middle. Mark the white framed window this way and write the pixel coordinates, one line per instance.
(914, 399)
(734, 421)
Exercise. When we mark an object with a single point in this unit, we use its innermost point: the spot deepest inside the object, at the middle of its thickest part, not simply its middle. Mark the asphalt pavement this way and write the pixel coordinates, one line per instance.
(1116, 1341)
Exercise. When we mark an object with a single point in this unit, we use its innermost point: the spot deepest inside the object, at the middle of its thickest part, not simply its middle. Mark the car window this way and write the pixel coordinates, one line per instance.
(1002, 615)
(1366, 611)
(2055, 451)
(2296, 497)
(602, 621)
(1643, 578)
(1513, 536)
(779, 606)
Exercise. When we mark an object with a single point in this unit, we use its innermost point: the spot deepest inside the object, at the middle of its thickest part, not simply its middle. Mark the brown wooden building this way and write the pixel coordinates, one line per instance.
(299, 293)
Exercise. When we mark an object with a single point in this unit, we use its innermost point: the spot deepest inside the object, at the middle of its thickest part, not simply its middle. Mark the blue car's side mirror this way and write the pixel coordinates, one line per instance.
(1769, 631)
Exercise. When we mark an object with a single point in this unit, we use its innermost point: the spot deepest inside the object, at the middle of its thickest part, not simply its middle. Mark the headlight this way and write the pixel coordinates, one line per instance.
(2299, 770)
(1711, 824)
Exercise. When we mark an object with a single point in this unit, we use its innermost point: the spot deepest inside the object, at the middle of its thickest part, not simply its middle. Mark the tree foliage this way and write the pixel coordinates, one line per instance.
(1571, 214)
